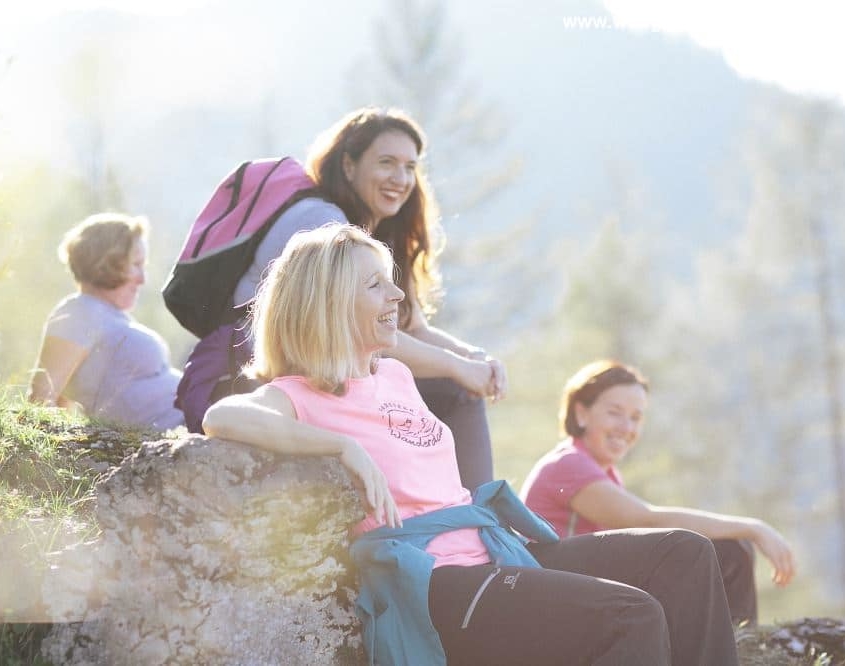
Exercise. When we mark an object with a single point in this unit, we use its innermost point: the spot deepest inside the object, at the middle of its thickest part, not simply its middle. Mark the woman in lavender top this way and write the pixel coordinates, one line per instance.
(94, 354)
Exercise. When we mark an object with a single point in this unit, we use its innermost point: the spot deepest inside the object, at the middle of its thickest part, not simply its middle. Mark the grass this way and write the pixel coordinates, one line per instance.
(46, 487)
(20, 644)
(50, 462)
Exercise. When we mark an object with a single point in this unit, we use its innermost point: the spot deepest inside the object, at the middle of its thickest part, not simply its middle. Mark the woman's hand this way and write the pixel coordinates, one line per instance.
(430, 352)
(496, 387)
(477, 377)
(500, 379)
(372, 481)
(776, 549)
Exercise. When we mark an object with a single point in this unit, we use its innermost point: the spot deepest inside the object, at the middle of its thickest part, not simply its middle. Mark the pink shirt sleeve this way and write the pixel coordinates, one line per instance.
(555, 480)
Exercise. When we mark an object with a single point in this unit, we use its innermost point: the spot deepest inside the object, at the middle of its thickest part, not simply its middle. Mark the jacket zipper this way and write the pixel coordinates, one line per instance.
(477, 596)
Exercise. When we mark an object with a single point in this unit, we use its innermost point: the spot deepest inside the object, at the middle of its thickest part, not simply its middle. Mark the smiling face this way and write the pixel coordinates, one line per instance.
(612, 424)
(385, 174)
(125, 296)
(376, 304)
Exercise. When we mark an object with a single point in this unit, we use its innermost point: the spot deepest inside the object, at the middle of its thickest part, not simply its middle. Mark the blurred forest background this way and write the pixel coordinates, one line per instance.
(604, 193)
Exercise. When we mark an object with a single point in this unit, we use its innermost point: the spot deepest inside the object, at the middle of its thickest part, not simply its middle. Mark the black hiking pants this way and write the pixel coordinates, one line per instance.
(617, 598)
(736, 560)
(466, 417)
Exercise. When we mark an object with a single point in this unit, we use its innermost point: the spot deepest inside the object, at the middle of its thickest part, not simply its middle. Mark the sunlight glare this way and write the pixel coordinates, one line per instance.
(23, 14)
(796, 46)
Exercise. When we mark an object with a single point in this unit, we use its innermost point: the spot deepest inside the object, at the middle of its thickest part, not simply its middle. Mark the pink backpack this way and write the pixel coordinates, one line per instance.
(222, 241)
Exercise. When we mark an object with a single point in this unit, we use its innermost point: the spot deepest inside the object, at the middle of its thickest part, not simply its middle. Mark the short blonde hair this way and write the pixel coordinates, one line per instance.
(97, 249)
(303, 318)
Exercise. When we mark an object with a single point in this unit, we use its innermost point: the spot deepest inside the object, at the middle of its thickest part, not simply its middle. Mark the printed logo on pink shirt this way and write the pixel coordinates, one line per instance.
(410, 426)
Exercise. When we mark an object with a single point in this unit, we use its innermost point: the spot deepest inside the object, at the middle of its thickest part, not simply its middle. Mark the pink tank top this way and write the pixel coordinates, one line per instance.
(416, 451)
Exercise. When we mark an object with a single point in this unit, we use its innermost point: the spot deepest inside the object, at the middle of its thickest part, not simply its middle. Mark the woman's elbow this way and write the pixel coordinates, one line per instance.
(225, 419)
(212, 423)
(39, 391)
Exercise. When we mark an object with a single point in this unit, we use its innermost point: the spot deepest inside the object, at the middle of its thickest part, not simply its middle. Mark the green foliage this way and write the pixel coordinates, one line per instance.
(611, 314)
(733, 357)
(46, 452)
(50, 461)
(601, 313)
(37, 205)
(20, 644)
(33, 462)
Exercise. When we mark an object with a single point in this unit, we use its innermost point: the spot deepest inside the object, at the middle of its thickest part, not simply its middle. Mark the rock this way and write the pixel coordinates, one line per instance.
(812, 637)
(211, 552)
(815, 641)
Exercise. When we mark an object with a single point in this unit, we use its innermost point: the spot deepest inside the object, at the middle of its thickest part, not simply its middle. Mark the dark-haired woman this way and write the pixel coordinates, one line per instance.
(578, 488)
(367, 171)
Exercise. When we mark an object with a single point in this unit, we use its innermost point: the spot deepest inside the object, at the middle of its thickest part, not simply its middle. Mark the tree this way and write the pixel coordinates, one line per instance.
(762, 336)
(416, 66)
(89, 87)
(799, 189)
(38, 204)
(604, 300)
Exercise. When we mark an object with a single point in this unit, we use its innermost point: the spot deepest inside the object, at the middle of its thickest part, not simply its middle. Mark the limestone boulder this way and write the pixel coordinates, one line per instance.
(211, 552)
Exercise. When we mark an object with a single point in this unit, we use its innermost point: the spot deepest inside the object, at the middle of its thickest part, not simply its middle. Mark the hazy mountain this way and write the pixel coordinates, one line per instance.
(592, 107)
(592, 112)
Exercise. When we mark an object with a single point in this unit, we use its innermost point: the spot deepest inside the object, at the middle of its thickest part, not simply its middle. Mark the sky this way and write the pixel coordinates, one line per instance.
(794, 44)
(797, 45)
(17, 13)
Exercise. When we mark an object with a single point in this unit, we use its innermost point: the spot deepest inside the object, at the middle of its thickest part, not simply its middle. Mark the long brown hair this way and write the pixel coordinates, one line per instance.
(413, 234)
(586, 385)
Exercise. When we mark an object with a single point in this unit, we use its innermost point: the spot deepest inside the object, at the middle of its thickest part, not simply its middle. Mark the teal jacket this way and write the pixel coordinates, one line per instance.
(394, 570)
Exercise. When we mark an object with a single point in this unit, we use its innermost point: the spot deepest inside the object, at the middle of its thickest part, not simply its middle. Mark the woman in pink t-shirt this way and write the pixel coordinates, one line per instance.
(325, 311)
(578, 489)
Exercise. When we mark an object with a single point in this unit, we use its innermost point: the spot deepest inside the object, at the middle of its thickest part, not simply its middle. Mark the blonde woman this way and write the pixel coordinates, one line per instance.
(442, 576)
(93, 352)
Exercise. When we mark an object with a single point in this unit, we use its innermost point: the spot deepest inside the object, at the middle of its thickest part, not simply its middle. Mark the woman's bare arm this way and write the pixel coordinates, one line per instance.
(614, 507)
(431, 352)
(266, 418)
(58, 359)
